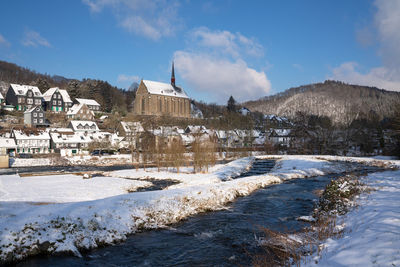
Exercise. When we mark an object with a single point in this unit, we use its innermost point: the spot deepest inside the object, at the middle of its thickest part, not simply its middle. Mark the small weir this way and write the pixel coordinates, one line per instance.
(259, 166)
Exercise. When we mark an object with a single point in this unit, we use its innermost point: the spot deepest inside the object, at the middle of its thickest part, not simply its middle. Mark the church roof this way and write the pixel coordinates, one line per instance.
(158, 88)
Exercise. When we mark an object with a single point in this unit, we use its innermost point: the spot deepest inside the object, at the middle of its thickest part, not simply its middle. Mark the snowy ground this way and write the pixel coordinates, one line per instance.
(63, 188)
(28, 226)
(372, 231)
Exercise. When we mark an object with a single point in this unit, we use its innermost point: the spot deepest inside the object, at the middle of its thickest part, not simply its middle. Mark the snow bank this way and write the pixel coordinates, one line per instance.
(371, 235)
(217, 174)
(19, 162)
(32, 228)
(63, 188)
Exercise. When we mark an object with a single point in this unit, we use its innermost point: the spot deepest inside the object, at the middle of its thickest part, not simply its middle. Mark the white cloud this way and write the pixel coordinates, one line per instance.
(126, 80)
(387, 76)
(380, 77)
(233, 44)
(297, 67)
(387, 21)
(152, 19)
(34, 39)
(221, 77)
(214, 63)
(3, 41)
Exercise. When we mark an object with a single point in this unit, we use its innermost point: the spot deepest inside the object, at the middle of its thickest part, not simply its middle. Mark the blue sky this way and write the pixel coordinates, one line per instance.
(247, 49)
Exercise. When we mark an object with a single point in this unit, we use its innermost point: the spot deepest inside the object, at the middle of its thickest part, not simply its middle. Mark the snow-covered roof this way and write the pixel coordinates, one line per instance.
(59, 130)
(132, 126)
(259, 140)
(47, 95)
(1, 96)
(7, 142)
(89, 102)
(195, 129)
(19, 135)
(69, 139)
(75, 109)
(23, 89)
(281, 132)
(159, 88)
(244, 111)
(84, 126)
(187, 138)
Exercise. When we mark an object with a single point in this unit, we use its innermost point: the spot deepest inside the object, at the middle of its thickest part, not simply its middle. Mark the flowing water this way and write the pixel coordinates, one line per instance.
(219, 238)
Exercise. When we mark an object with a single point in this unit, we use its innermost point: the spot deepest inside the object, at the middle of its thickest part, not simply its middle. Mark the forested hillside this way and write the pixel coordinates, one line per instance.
(337, 100)
(109, 97)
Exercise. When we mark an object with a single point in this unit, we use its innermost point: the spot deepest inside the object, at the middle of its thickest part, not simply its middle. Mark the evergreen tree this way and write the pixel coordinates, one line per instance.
(231, 104)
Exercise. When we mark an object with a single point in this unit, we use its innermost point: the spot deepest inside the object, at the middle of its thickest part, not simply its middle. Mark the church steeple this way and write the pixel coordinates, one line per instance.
(173, 75)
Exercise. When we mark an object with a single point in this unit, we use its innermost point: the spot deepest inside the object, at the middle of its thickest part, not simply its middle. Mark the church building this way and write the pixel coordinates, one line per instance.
(156, 98)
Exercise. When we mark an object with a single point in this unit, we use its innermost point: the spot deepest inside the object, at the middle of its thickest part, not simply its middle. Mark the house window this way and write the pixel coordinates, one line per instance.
(40, 114)
(59, 102)
(29, 101)
(30, 94)
(34, 120)
(41, 121)
(38, 101)
(34, 114)
(54, 102)
(37, 109)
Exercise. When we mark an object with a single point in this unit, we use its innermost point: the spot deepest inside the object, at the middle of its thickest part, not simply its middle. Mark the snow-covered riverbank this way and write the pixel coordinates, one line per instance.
(371, 231)
(28, 228)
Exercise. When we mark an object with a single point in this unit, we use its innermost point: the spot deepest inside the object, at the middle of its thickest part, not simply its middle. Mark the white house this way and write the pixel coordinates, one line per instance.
(280, 136)
(7, 145)
(91, 103)
(80, 111)
(32, 142)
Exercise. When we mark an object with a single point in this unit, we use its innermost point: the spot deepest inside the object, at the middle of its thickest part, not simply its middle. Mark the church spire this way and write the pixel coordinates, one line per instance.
(173, 75)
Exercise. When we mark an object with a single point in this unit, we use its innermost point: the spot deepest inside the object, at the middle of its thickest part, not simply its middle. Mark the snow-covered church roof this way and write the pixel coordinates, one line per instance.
(159, 88)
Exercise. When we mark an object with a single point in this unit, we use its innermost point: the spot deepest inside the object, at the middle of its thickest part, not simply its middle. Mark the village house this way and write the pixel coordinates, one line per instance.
(7, 146)
(35, 117)
(23, 97)
(80, 112)
(57, 100)
(280, 137)
(66, 142)
(90, 103)
(33, 142)
(83, 126)
(162, 99)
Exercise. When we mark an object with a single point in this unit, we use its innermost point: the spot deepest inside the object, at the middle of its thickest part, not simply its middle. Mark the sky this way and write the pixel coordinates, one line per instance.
(247, 49)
